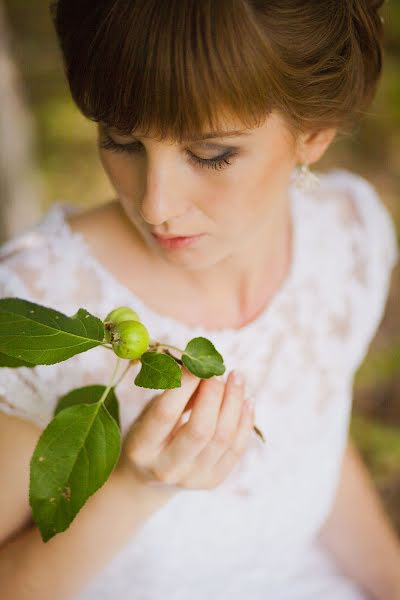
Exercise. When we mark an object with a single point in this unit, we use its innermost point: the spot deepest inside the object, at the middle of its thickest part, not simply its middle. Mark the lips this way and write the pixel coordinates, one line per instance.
(177, 242)
(173, 237)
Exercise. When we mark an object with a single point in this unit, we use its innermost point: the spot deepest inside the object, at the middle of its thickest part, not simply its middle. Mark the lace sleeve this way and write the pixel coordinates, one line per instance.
(28, 393)
(21, 389)
(376, 252)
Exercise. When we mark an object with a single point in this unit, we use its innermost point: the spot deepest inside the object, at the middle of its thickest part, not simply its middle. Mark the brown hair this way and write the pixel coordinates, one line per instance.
(174, 66)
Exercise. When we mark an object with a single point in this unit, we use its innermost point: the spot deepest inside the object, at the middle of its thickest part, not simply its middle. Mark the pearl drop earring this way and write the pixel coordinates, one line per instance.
(305, 179)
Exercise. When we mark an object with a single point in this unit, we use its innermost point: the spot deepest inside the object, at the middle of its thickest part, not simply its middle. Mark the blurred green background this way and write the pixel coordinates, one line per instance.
(70, 169)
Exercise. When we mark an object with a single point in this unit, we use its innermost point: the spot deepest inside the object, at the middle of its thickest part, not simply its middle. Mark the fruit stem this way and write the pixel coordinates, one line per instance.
(155, 346)
(108, 388)
(131, 362)
(169, 346)
(178, 360)
(259, 433)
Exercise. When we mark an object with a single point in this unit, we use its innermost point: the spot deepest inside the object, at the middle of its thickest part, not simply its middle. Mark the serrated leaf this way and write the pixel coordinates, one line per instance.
(73, 458)
(90, 394)
(201, 358)
(159, 371)
(43, 336)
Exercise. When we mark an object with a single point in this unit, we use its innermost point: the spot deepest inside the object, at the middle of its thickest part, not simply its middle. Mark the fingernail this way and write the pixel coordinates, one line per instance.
(238, 377)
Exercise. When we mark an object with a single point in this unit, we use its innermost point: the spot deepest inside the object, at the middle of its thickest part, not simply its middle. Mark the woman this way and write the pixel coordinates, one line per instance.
(209, 115)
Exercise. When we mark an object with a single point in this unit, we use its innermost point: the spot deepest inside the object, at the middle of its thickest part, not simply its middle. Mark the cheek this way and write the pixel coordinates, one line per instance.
(278, 160)
(275, 171)
(227, 203)
(241, 202)
(221, 195)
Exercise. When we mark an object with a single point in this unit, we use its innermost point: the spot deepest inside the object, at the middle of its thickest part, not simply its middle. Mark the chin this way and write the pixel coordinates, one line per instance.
(195, 263)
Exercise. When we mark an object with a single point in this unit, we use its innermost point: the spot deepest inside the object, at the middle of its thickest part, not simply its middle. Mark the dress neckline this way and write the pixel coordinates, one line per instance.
(60, 209)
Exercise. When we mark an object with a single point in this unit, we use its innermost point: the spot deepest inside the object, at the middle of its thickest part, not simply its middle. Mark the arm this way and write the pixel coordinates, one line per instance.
(359, 534)
(31, 569)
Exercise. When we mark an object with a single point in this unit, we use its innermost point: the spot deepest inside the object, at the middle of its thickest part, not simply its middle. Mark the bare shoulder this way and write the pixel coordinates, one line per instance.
(114, 242)
(92, 221)
(105, 232)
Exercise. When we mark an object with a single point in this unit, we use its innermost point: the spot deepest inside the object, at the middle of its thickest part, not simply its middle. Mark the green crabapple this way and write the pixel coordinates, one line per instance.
(117, 316)
(130, 339)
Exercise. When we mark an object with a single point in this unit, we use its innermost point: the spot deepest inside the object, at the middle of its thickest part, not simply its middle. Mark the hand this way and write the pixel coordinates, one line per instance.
(202, 452)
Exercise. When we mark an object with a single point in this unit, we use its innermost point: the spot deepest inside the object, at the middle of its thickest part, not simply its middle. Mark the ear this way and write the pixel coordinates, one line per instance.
(313, 145)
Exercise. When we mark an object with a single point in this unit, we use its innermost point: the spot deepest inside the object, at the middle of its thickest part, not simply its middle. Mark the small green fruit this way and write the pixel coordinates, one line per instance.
(131, 339)
(116, 316)
(122, 313)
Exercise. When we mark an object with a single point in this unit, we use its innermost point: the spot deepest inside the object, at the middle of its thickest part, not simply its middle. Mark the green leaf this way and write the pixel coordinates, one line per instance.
(43, 336)
(10, 361)
(90, 394)
(202, 359)
(73, 458)
(159, 371)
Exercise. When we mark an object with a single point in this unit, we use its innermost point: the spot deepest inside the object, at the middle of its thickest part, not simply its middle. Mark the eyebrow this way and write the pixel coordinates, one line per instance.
(204, 136)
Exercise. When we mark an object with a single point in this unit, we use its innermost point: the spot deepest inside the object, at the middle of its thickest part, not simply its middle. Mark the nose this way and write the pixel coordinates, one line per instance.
(162, 200)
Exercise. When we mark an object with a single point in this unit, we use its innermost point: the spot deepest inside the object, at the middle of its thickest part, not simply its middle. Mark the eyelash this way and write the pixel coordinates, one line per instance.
(219, 162)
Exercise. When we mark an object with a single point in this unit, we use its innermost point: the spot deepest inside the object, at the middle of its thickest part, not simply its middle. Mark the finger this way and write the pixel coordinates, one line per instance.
(183, 418)
(196, 433)
(230, 413)
(227, 426)
(232, 456)
(177, 425)
(161, 416)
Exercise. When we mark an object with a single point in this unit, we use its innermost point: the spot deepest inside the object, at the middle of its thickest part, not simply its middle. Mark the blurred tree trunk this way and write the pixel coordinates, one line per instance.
(20, 185)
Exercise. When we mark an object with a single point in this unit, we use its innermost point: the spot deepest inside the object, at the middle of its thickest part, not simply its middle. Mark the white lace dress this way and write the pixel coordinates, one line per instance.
(256, 535)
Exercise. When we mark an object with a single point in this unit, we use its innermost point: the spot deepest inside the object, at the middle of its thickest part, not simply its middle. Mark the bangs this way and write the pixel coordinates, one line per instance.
(168, 69)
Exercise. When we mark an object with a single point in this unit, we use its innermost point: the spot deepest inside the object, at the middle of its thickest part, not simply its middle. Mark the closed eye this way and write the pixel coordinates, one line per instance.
(218, 162)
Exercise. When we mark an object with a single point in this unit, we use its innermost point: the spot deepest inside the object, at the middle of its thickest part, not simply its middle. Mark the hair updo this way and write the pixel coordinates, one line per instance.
(174, 66)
